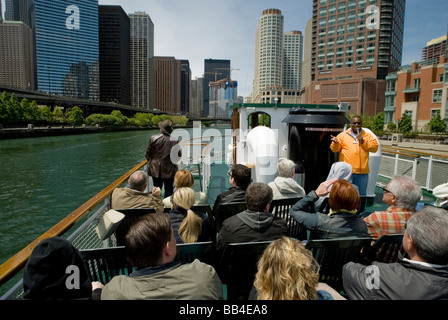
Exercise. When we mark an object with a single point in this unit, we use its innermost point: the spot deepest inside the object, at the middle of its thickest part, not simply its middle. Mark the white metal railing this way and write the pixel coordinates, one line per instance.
(429, 170)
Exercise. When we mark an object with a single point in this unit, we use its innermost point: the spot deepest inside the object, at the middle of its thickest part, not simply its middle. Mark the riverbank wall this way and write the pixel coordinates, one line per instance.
(33, 132)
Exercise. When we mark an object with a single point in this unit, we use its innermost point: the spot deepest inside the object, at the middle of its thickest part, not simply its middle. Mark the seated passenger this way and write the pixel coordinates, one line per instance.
(338, 170)
(284, 185)
(239, 178)
(424, 276)
(187, 226)
(402, 195)
(134, 195)
(254, 224)
(184, 178)
(55, 270)
(288, 271)
(151, 248)
(342, 221)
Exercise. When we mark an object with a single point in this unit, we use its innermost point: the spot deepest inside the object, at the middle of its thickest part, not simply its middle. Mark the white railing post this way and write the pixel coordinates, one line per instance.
(414, 168)
(396, 164)
(429, 175)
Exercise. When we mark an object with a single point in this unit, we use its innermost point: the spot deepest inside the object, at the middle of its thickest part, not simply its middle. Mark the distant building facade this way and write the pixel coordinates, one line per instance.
(142, 51)
(223, 94)
(355, 44)
(196, 97)
(435, 48)
(16, 55)
(214, 70)
(167, 84)
(185, 79)
(278, 61)
(420, 90)
(115, 71)
(67, 48)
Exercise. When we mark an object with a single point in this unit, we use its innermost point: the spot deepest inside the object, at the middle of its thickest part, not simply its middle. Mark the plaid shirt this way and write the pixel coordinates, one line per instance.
(387, 222)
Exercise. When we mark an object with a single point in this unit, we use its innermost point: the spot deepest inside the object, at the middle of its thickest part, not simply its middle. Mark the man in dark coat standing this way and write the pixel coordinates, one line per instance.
(163, 153)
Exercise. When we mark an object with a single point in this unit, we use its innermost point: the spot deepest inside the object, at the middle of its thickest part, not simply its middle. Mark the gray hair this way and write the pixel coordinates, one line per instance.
(138, 181)
(286, 168)
(407, 191)
(428, 230)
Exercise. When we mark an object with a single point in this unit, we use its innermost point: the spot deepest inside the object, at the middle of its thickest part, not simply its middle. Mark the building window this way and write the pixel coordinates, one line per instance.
(437, 96)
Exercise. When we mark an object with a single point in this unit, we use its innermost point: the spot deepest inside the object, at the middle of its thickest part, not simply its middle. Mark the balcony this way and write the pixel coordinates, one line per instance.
(411, 89)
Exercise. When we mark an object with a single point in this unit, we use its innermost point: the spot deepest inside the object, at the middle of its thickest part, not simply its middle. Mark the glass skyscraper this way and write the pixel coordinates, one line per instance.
(67, 47)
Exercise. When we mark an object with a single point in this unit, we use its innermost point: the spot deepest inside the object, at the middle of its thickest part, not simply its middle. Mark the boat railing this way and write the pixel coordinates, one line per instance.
(89, 214)
(428, 169)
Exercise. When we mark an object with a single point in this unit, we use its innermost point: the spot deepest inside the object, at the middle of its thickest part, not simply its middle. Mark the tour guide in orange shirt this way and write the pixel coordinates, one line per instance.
(354, 146)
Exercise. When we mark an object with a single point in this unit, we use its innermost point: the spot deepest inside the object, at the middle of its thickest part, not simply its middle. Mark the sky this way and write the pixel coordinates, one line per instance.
(202, 29)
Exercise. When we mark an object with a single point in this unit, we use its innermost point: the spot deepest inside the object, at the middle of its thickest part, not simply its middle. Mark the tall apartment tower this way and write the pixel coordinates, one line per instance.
(214, 70)
(268, 55)
(355, 44)
(16, 55)
(196, 97)
(185, 79)
(142, 51)
(306, 65)
(278, 61)
(167, 84)
(115, 72)
(292, 60)
(435, 48)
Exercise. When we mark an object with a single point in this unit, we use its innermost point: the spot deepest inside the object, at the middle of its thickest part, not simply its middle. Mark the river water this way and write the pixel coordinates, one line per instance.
(42, 180)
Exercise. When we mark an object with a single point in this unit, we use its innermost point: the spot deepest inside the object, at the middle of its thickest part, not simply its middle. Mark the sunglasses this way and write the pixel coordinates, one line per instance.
(386, 190)
(356, 122)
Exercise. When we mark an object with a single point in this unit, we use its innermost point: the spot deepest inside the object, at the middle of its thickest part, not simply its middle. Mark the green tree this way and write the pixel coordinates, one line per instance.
(75, 116)
(143, 119)
(391, 126)
(437, 124)
(4, 100)
(378, 122)
(405, 123)
(155, 120)
(121, 119)
(15, 110)
(46, 115)
(33, 112)
(59, 115)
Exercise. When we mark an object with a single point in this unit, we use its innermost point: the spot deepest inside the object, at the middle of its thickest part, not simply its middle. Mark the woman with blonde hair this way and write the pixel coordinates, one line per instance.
(184, 178)
(188, 226)
(288, 271)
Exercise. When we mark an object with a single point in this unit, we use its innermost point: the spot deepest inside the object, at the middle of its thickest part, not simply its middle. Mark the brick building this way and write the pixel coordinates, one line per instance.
(419, 90)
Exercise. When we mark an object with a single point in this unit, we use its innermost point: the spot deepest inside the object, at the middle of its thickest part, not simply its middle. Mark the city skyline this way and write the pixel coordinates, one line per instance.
(194, 30)
(182, 40)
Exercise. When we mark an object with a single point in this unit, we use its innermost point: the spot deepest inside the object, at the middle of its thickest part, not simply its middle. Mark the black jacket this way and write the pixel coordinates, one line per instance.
(250, 226)
(178, 215)
(403, 280)
(233, 195)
